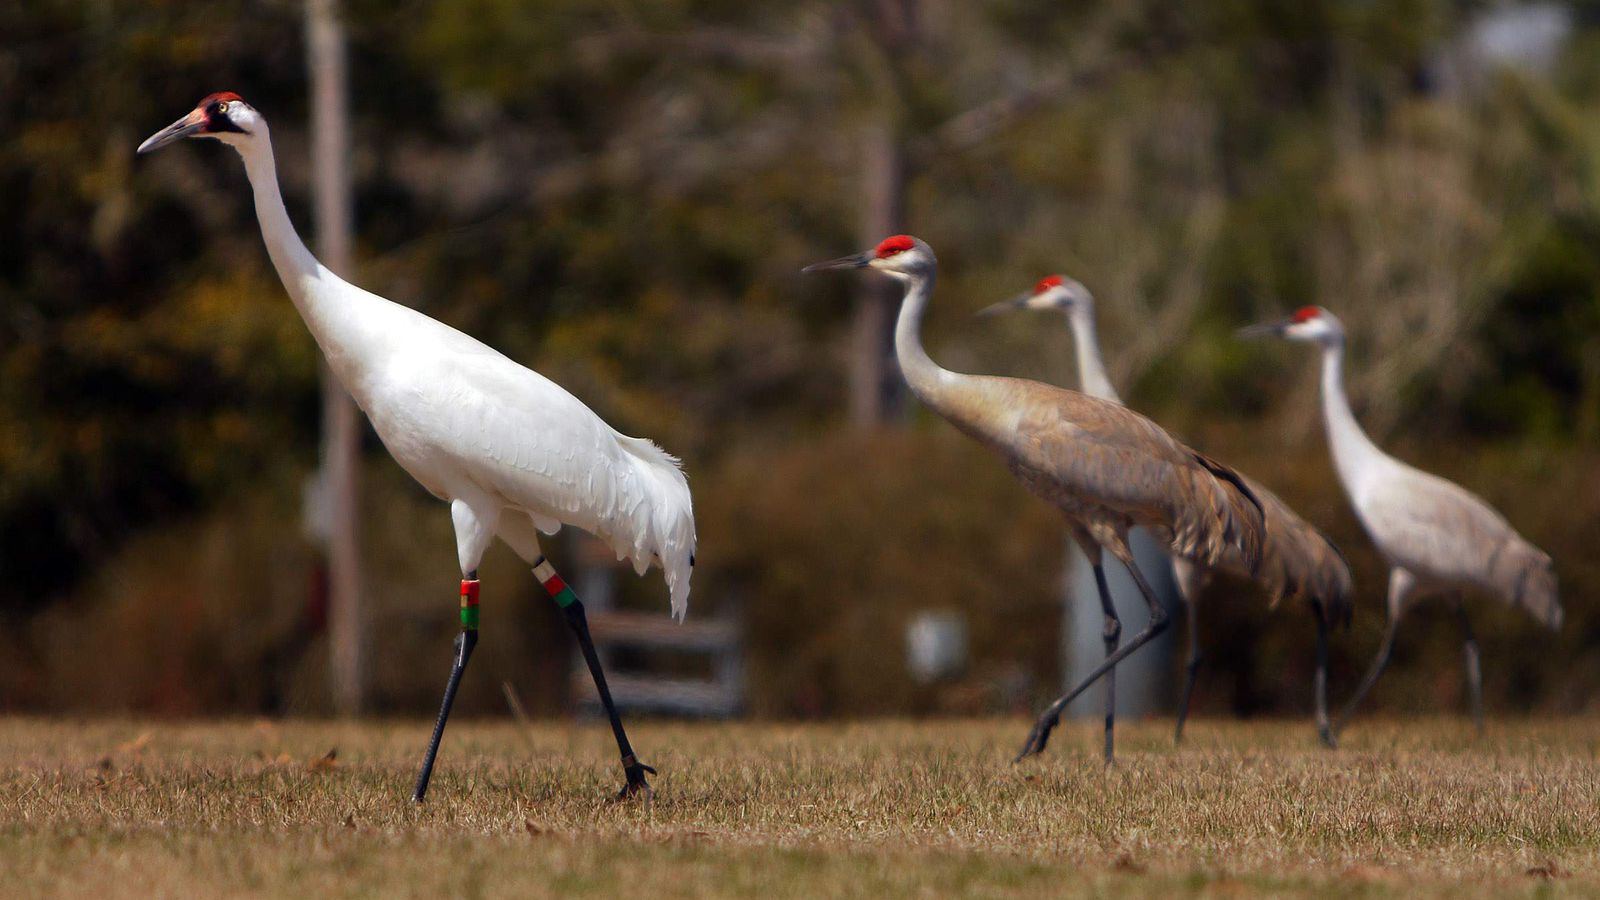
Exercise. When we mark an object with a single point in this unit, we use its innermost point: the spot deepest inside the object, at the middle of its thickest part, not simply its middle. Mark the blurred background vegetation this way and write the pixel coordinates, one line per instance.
(620, 194)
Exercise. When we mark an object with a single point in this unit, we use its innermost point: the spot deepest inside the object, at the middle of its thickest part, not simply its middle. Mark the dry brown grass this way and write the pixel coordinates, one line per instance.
(128, 808)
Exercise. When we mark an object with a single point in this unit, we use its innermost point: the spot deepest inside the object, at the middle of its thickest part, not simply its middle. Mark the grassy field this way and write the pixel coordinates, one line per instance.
(130, 808)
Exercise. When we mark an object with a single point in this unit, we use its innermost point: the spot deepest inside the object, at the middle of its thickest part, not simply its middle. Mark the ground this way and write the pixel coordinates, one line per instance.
(1405, 808)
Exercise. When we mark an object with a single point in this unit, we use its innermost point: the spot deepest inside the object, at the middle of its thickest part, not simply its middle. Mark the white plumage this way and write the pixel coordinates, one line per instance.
(512, 452)
(471, 424)
(496, 439)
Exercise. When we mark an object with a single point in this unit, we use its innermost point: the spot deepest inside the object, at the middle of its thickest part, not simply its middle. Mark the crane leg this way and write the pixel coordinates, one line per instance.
(1051, 717)
(1402, 584)
(1113, 636)
(1319, 680)
(1379, 663)
(1469, 654)
(572, 608)
(465, 641)
(1192, 668)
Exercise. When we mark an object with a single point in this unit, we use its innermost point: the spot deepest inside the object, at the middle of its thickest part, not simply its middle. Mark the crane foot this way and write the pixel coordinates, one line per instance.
(637, 786)
(1037, 738)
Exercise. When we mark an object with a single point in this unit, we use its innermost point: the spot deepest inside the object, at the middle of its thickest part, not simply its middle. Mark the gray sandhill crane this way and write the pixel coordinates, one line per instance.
(1106, 469)
(1439, 539)
(511, 452)
(1297, 561)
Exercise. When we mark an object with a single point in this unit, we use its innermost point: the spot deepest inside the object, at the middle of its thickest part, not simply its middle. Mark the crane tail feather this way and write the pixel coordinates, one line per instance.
(1243, 518)
(1526, 577)
(662, 526)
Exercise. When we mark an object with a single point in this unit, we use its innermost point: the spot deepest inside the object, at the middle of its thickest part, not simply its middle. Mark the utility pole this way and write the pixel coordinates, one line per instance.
(341, 423)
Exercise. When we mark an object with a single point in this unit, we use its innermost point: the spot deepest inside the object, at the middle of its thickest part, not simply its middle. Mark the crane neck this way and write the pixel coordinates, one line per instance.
(294, 263)
(1092, 377)
(928, 380)
(1354, 454)
(332, 309)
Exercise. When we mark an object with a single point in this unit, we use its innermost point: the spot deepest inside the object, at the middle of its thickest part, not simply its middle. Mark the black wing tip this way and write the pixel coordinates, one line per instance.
(1227, 474)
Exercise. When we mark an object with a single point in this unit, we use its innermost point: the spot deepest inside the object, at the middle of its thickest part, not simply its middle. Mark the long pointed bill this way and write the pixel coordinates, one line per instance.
(1265, 329)
(854, 261)
(190, 124)
(1020, 301)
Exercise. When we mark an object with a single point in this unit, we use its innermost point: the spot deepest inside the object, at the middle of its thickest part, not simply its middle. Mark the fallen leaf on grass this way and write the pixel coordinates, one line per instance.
(329, 760)
(1367, 873)
(135, 745)
(1547, 871)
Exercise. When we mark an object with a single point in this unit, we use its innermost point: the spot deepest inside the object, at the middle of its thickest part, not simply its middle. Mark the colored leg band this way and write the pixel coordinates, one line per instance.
(553, 585)
(469, 604)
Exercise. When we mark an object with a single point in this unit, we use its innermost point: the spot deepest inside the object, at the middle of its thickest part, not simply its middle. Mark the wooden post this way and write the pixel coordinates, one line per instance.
(341, 422)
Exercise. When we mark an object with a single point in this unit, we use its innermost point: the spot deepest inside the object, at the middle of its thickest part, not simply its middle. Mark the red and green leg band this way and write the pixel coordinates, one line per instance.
(469, 604)
(553, 585)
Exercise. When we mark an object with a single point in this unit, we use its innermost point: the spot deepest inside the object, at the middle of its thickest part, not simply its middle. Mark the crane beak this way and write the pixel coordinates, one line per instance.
(1020, 301)
(1265, 329)
(184, 127)
(854, 261)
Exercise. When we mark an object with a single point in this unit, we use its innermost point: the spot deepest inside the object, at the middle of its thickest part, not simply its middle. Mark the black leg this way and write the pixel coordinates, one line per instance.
(1319, 681)
(467, 640)
(1113, 636)
(572, 607)
(1469, 654)
(1379, 663)
(1051, 717)
(1192, 669)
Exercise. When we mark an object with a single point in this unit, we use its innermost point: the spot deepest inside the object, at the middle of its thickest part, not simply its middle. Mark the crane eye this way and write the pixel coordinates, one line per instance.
(222, 107)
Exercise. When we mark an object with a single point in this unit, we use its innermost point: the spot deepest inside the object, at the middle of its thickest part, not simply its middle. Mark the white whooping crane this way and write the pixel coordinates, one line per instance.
(511, 452)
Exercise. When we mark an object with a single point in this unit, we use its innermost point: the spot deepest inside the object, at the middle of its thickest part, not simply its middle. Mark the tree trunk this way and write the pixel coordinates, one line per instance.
(341, 422)
(875, 390)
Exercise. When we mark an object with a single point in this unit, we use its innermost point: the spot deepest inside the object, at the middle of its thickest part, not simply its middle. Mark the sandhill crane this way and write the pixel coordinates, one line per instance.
(1106, 469)
(511, 452)
(1437, 537)
(1298, 560)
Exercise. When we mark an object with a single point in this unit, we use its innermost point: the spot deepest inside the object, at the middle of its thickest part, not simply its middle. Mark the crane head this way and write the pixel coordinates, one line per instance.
(1309, 323)
(223, 116)
(901, 256)
(1052, 292)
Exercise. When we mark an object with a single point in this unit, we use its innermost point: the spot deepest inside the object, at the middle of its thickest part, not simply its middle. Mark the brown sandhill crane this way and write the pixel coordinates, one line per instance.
(1297, 559)
(1439, 538)
(1106, 469)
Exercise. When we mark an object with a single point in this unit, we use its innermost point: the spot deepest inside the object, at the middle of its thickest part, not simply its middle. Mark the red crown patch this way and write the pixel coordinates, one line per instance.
(897, 244)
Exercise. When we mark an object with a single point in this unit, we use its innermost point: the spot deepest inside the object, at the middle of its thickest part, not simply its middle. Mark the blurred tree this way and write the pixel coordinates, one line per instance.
(338, 488)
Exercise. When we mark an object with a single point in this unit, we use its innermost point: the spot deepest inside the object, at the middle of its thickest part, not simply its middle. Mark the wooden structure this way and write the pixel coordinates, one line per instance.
(718, 640)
